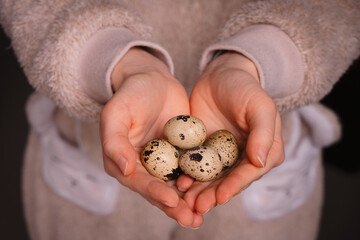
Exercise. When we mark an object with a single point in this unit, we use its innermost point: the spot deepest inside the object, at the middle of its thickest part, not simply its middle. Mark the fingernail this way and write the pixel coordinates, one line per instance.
(261, 157)
(181, 225)
(206, 211)
(181, 189)
(169, 204)
(261, 162)
(123, 164)
(225, 202)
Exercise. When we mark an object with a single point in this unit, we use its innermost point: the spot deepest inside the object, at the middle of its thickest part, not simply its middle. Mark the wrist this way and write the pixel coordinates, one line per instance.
(234, 60)
(136, 61)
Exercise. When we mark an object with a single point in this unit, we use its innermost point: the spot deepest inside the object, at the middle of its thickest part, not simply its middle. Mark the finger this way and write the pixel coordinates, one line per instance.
(246, 173)
(198, 221)
(172, 185)
(158, 194)
(237, 180)
(261, 121)
(111, 168)
(163, 193)
(150, 187)
(206, 200)
(191, 195)
(114, 129)
(182, 213)
(184, 182)
(278, 145)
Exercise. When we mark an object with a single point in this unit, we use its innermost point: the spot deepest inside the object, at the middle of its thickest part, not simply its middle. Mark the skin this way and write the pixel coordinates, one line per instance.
(227, 96)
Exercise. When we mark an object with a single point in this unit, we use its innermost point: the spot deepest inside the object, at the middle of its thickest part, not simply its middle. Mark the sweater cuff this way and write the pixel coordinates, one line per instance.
(277, 59)
(103, 51)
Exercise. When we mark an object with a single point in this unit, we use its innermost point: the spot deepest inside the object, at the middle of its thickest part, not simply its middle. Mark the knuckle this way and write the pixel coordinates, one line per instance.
(269, 106)
(106, 146)
(280, 158)
(268, 134)
(272, 106)
(108, 170)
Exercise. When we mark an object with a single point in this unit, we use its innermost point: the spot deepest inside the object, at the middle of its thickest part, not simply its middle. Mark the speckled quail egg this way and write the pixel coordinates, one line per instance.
(224, 142)
(202, 163)
(185, 131)
(161, 159)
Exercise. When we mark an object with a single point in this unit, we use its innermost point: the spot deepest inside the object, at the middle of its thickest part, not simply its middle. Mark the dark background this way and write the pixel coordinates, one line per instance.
(341, 215)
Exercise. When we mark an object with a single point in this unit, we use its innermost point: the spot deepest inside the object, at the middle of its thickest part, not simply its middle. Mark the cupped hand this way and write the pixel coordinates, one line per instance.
(146, 96)
(229, 96)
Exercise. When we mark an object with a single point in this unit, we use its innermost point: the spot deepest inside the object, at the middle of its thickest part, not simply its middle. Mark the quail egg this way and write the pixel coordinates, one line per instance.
(161, 159)
(202, 163)
(185, 131)
(225, 144)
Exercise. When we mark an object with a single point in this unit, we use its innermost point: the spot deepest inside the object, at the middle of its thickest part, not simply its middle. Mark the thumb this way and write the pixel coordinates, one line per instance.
(262, 122)
(122, 153)
(115, 142)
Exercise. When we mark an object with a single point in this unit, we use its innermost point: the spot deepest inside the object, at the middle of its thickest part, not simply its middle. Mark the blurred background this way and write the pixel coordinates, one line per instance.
(341, 211)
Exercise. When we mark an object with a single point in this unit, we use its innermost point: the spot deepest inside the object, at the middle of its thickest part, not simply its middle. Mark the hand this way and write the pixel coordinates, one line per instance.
(147, 95)
(229, 96)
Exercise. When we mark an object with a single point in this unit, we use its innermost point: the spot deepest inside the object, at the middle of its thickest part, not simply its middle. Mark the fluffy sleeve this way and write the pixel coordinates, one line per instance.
(56, 40)
(301, 48)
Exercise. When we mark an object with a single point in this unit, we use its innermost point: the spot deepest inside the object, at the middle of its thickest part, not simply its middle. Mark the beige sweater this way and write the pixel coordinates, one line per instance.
(68, 49)
(48, 38)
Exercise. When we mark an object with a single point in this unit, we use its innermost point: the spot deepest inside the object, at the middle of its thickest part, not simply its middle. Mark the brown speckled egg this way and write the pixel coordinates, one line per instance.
(202, 163)
(185, 131)
(161, 159)
(224, 142)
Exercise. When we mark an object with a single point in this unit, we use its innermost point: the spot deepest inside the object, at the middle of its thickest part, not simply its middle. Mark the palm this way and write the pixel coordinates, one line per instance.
(214, 103)
(149, 113)
(228, 103)
(147, 105)
(135, 115)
